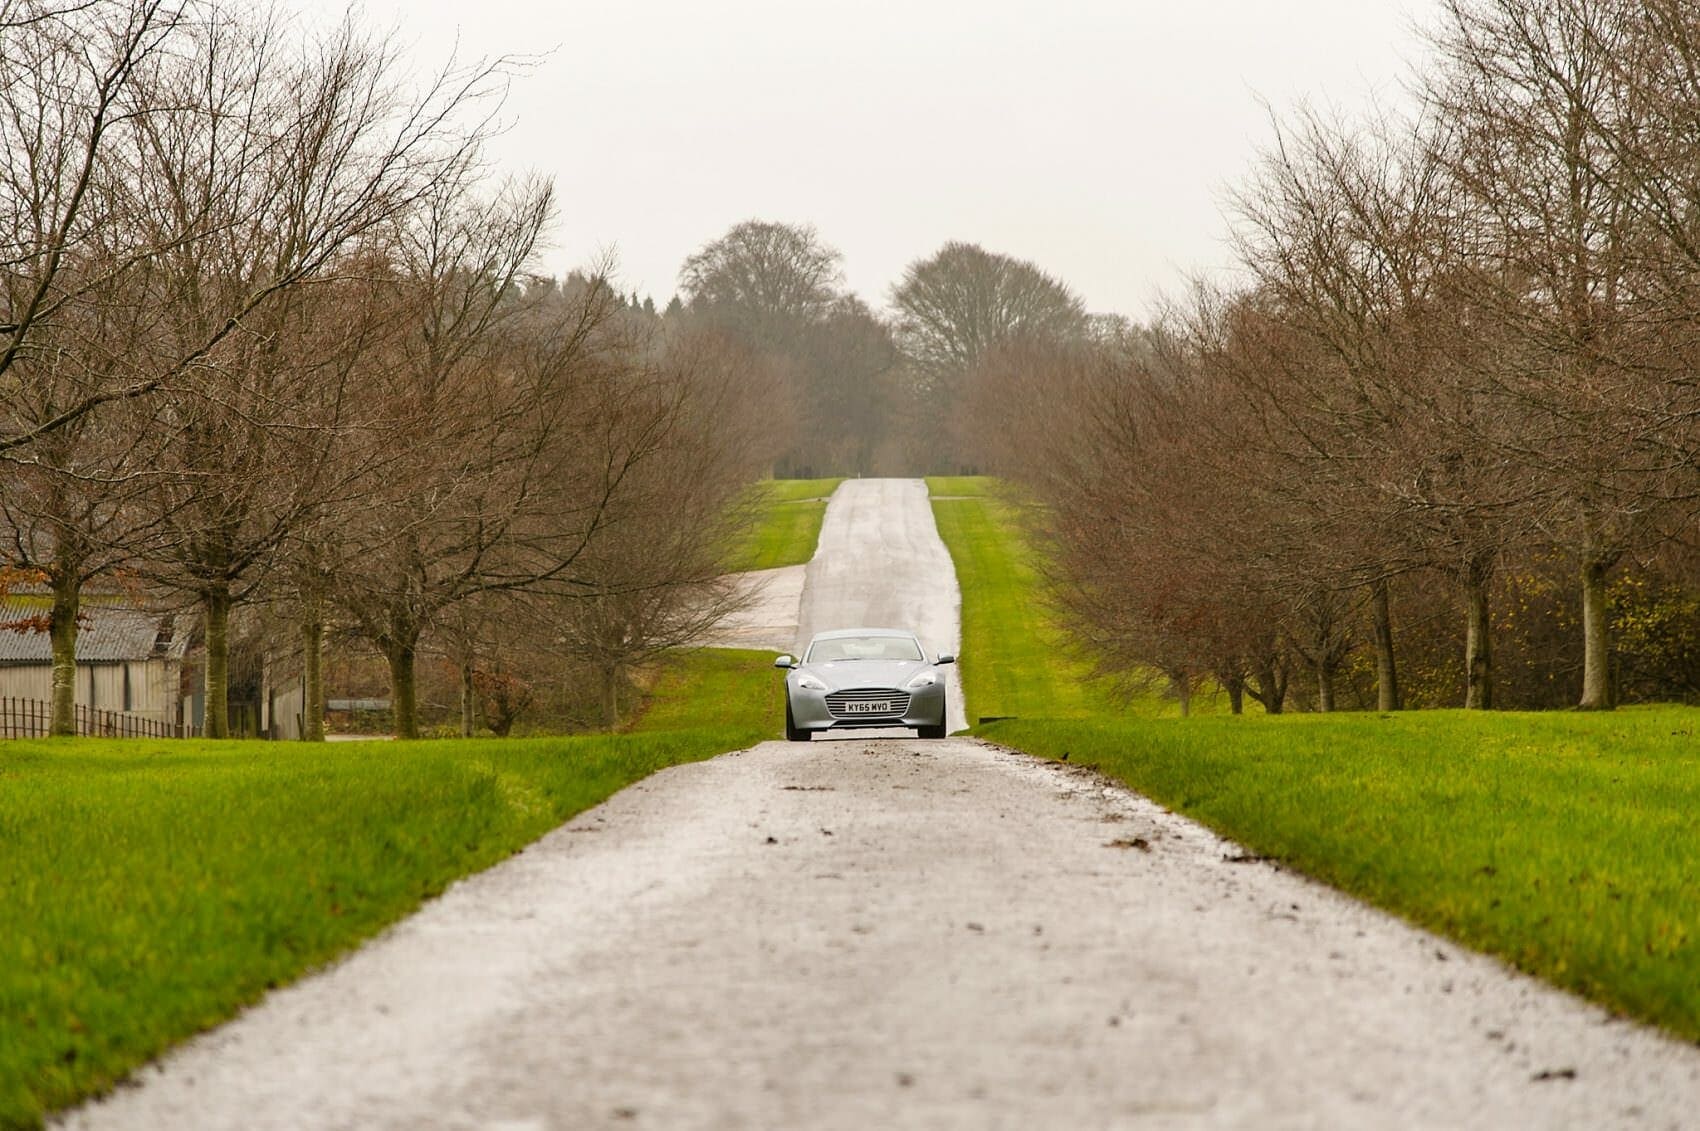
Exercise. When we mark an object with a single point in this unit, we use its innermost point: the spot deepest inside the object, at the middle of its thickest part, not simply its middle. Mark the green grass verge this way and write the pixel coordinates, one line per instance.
(792, 511)
(961, 486)
(1015, 661)
(799, 490)
(1563, 843)
(715, 687)
(149, 890)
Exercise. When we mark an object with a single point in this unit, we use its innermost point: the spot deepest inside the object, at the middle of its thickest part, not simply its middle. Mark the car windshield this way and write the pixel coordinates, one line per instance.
(864, 648)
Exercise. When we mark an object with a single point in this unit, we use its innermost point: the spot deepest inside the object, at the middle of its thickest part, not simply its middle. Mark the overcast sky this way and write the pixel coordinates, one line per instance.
(1093, 137)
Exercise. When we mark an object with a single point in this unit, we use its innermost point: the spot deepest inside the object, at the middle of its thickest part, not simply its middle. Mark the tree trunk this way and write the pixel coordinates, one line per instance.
(62, 631)
(1386, 670)
(1596, 638)
(215, 603)
(1271, 690)
(1182, 684)
(1235, 687)
(468, 704)
(1478, 642)
(404, 703)
(1325, 683)
(312, 675)
(611, 698)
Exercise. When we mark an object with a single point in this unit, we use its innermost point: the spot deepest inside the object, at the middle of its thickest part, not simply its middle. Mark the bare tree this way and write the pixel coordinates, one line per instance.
(289, 153)
(476, 409)
(777, 289)
(846, 392)
(1536, 95)
(654, 578)
(69, 318)
(1467, 346)
(74, 511)
(1357, 243)
(182, 175)
(74, 504)
(764, 279)
(1154, 551)
(68, 78)
(960, 302)
(957, 304)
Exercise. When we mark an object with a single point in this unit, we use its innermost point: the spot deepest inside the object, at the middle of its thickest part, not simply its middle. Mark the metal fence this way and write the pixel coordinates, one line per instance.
(33, 718)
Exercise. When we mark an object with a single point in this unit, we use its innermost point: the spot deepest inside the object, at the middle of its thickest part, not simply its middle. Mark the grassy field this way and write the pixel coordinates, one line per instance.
(961, 486)
(716, 687)
(790, 527)
(1014, 660)
(1564, 843)
(148, 890)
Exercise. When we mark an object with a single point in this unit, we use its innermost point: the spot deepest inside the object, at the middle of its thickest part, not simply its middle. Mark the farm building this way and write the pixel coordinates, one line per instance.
(129, 659)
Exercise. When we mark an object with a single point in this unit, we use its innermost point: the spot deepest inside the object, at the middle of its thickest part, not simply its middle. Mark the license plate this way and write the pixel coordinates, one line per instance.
(869, 707)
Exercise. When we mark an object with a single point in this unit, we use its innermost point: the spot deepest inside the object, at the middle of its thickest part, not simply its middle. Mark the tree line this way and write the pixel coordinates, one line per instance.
(272, 344)
(1435, 442)
(855, 391)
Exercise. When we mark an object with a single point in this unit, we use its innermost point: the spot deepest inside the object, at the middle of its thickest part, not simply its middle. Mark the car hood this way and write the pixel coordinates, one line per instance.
(842, 675)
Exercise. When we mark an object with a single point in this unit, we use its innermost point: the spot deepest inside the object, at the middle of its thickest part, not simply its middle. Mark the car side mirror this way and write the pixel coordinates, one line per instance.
(785, 662)
(947, 658)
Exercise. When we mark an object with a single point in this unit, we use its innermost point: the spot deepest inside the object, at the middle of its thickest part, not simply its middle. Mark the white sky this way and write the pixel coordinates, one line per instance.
(1094, 137)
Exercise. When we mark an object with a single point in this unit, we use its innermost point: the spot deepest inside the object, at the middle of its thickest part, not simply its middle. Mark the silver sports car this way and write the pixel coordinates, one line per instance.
(864, 677)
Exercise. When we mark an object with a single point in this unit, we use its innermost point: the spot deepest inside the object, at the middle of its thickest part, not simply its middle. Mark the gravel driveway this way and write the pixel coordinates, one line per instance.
(896, 933)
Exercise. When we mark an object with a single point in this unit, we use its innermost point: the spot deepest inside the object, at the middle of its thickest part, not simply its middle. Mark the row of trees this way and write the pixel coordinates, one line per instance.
(1459, 373)
(269, 334)
(855, 392)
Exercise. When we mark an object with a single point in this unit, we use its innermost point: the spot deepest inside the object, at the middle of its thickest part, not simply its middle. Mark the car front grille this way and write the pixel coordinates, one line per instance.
(845, 704)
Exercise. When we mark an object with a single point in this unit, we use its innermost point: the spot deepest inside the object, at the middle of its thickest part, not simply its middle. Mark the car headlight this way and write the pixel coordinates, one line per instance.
(924, 679)
(810, 683)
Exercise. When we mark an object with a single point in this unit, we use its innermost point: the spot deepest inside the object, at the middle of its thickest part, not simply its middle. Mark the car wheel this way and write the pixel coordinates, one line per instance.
(792, 732)
(942, 729)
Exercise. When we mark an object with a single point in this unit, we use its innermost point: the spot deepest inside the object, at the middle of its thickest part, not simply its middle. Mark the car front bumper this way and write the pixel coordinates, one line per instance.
(810, 710)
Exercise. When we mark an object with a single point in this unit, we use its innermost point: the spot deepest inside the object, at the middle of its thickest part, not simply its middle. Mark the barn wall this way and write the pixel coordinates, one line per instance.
(158, 682)
(31, 682)
(287, 704)
(153, 686)
(106, 683)
(153, 689)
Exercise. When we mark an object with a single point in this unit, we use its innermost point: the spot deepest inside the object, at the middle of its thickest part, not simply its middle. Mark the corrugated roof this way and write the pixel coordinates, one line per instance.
(107, 634)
